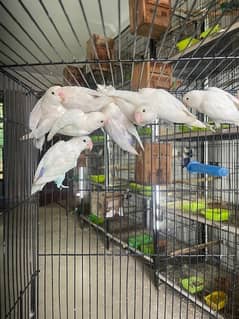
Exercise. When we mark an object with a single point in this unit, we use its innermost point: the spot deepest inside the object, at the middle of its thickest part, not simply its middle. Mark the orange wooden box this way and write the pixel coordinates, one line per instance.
(101, 50)
(145, 14)
(154, 164)
(158, 77)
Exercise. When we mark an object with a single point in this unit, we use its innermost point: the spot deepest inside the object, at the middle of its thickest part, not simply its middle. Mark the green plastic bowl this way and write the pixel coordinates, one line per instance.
(210, 31)
(193, 284)
(147, 249)
(139, 240)
(143, 189)
(186, 43)
(216, 214)
(97, 178)
(145, 131)
(186, 129)
(97, 138)
(193, 207)
(98, 220)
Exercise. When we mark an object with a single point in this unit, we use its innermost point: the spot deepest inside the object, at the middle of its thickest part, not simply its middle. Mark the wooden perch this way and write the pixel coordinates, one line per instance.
(193, 249)
(192, 180)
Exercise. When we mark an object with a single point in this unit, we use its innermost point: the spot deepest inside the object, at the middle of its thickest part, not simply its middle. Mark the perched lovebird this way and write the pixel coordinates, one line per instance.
(120, 129)
(127, 101)
(164, 106)
(77, 123)
(50, 98)
(43, 116)
(217, 104)
(58, 160)
(85, 99)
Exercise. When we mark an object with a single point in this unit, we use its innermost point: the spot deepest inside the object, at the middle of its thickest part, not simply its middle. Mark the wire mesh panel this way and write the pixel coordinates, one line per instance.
(135, 234)
(18, 210)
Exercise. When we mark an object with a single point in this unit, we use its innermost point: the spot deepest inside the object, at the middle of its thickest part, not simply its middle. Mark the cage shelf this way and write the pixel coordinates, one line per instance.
(220, 42)
(200, 219)
(202, 135)
(209, 41)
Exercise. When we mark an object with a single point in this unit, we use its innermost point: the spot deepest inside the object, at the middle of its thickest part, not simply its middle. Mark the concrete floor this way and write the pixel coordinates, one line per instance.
(97, 283)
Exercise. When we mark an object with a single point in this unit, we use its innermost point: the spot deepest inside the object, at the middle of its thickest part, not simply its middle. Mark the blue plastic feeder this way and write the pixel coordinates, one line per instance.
(213, 170)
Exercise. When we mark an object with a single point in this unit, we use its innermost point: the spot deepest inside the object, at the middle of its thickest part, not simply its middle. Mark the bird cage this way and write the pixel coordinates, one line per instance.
(145, 224)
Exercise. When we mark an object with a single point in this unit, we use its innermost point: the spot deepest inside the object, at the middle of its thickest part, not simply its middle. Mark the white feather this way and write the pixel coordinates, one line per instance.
(120, 128)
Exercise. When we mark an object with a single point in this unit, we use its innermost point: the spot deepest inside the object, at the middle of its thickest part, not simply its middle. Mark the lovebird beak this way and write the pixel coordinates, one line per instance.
(90, 146)
(138, 117)
(61, 95)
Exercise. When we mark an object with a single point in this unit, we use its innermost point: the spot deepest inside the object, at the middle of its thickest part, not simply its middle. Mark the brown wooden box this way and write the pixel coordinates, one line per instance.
(161, 76)
(106, 204)
(101, 50)
(145, 15)
(153, 165)
(72, 76)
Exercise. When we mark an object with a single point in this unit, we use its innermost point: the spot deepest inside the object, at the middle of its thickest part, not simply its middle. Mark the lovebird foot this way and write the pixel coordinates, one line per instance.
(63, 186)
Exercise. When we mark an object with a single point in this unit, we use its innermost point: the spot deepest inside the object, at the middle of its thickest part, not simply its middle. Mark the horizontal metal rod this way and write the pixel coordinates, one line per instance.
(206, 58)
(126, 255)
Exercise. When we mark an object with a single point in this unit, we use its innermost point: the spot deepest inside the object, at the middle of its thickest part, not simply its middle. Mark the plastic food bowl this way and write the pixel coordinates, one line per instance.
(193, 284)
(97, 138)
(147, 249)
(210, 31)
(140, 240)
(216, 214)
(216, 300)
(97, 178)
(144, 189)
(193, 207)
(98, 220)
(186, 43)
(186, 129)
(145, 131)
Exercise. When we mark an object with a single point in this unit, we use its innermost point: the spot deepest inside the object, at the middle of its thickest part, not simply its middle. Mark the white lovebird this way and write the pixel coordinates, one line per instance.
(43, 116)
(164, 106)
(58, 160)
(128, 101)
(120, 129)
(217, 104)
(77, 123)
(85, 99)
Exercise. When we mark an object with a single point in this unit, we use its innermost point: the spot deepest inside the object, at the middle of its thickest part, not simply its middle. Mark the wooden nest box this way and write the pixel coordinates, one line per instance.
(145, 14)
(159, 76)
(154, 164)
(97, 50)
